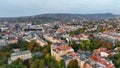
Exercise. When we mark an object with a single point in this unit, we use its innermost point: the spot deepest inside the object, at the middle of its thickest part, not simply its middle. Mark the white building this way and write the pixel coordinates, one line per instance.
(24, 55)
(3, 42)
(51, 39)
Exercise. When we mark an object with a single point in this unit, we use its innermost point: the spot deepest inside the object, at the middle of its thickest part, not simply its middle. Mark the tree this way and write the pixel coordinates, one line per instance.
(23, 45)
(75, 46)
(118, 44)
(17, 64)
(116, 59)
(61, 64)
(31, 46)
(3, 60)
(48, 59)
(45, 51)
(110, 57)
(85, 44)
(94, 44)
(77, 31)
(73, 64)
(4, 66)
(116, 56)
(42, 63)
(108, 45)
(105, 44)
(35, 64)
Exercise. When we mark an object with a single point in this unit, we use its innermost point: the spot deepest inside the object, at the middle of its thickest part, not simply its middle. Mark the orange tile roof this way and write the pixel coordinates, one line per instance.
(60, 30)
(98, 59)
(65, 47)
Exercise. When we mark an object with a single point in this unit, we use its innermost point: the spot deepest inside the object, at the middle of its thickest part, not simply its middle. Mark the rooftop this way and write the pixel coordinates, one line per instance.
(64, 47)
(20, 53)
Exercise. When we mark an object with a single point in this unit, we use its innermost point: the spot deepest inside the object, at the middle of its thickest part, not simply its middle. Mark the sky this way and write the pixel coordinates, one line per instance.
(15, 8)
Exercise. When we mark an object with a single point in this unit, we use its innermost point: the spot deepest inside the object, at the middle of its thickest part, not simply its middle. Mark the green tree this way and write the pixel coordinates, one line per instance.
(73, 64)
(35, 64)
(110, 57)
(116, 56)
(42, 63)
(61, 64)
(23, 45)
(94, 45)
(3, 60)
(75, 46)
(31, 46)
(85, 44)
(4, 66)
(17, 64)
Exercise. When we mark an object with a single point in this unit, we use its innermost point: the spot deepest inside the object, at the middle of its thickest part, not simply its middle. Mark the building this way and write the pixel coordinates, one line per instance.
(70, 56)
(59, 50)
(41, 42)
(107, 38)
(24, 55)
(3, 42)
(51, 39)
(101, 62)
(12, 40)
(84, 58)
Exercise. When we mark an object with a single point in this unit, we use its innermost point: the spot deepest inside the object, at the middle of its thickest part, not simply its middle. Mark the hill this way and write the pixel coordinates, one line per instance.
(62, 17)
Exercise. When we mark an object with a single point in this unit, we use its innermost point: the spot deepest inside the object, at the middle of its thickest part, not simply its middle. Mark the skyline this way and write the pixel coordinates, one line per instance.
(17, 8)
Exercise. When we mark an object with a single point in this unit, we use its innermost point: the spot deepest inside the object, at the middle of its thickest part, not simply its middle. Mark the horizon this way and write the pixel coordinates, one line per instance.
(18, 8)
(54, 13)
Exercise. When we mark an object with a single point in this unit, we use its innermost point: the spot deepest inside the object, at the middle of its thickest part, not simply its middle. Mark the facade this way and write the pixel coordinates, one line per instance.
(41, 42)
(24, 55)
(14, 40)
(102, 62)
(58, 51)
(51, 39)
(84, 58)
(3, 42)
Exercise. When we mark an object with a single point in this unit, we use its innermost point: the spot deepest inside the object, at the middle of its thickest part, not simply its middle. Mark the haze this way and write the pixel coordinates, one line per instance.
(13, 8)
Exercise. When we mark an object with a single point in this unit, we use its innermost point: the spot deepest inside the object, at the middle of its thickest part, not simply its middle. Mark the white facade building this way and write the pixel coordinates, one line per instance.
(24, 55)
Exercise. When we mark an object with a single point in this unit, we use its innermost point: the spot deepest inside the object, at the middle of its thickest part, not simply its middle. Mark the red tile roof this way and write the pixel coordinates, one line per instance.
(65, 47)
(98, 59)
(60, 30)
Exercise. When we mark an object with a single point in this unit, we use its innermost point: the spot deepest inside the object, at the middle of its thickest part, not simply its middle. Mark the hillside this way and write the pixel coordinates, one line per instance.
(46, 18)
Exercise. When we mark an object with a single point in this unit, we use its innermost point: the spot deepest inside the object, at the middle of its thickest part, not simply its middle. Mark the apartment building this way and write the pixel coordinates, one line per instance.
(24, 55)
(59, 50)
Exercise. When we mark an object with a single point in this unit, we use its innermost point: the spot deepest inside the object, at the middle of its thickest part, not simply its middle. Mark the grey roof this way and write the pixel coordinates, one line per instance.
(66, 57)
(20, 53)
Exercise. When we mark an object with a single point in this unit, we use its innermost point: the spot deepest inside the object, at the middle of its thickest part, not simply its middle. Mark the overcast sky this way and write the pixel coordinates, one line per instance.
(12, 8)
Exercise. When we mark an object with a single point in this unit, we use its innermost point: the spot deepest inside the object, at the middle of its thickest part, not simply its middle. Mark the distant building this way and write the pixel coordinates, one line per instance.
(24, 55)
(2, 29)
(106, 38)
(12, 40)
(3, 42)
(51, 39)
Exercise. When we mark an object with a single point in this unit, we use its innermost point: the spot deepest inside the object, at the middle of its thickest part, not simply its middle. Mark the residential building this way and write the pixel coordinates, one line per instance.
(59, 50)
(24, 55)
(41, 42)
(51, 39)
